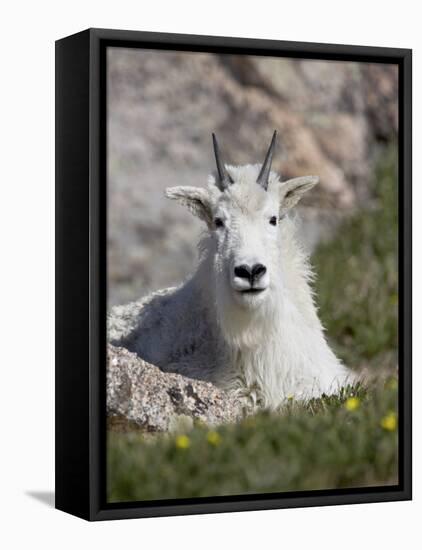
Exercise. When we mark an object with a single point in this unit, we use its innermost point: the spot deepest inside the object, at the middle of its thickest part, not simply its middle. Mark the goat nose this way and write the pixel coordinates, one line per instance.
(252, 274)
(258, 270)
(243, 272)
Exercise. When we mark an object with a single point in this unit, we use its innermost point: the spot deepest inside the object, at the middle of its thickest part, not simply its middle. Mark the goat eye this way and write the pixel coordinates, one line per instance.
(273, 220)
(218, 222)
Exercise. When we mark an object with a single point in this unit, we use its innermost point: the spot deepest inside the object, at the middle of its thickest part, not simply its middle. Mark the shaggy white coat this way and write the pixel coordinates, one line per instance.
(268, 347)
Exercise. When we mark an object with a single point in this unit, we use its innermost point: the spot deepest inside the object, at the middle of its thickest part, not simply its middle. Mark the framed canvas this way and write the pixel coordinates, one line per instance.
(233, 274)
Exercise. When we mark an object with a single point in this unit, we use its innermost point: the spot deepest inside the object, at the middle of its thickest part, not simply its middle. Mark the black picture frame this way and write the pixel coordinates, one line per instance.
(81, 273)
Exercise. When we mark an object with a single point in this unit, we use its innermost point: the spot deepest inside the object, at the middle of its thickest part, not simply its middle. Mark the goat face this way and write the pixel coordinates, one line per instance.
(243, 207)
(244, 232)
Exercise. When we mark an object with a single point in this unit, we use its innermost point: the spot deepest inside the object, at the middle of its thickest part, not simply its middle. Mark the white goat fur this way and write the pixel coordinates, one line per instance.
(268, 347)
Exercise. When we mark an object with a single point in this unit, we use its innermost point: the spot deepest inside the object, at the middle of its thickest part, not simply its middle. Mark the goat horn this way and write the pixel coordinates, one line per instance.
(224, 178)
(266, 167)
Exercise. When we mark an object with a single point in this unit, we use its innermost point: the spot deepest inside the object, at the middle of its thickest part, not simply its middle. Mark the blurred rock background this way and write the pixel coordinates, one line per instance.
(332, 119)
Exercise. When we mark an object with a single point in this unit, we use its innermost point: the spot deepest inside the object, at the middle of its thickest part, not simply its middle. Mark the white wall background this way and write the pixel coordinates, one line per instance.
(27, 272)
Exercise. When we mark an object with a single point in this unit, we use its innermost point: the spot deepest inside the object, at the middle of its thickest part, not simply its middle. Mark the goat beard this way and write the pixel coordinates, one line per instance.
(244, 327)
(241, 326)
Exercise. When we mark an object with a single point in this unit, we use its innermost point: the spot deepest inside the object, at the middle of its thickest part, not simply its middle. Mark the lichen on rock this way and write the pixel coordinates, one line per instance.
(142, 397)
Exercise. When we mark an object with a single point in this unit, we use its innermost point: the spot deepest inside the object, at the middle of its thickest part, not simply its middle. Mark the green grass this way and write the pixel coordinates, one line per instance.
(322, 444)
(319, 446)
(357, 278)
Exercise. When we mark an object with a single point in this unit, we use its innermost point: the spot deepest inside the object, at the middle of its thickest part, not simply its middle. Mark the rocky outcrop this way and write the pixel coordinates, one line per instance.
(142, 397)
(163, 106)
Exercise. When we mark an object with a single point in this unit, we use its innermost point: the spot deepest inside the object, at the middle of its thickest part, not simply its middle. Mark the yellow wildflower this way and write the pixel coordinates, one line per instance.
(290, 397)
(352, 403)
(214, 438)
(182, 442)
(389, 422)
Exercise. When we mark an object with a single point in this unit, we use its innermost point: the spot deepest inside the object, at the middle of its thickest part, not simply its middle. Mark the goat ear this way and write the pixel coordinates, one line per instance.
(291, 191)
(197, 200)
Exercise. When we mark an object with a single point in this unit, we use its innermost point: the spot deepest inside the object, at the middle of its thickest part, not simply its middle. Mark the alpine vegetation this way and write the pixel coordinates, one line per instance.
(246, 319)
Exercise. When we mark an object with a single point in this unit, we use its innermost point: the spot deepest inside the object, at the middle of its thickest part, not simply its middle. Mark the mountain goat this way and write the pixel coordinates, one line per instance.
(246, 319)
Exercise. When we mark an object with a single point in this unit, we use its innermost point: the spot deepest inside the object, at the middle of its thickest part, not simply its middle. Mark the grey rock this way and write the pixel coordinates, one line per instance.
(142, 397)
